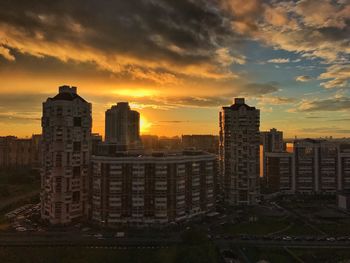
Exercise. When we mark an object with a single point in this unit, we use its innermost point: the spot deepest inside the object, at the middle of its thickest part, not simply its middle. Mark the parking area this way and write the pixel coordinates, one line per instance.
(25, 218)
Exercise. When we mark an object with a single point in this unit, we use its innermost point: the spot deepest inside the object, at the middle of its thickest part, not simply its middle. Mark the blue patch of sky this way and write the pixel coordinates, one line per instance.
(258, 69)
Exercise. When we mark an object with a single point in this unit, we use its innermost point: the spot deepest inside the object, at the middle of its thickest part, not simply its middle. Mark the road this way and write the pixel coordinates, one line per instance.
(48, 239)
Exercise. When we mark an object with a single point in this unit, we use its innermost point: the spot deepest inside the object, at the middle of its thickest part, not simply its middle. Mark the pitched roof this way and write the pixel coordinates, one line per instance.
(238, 106)
(67, 96)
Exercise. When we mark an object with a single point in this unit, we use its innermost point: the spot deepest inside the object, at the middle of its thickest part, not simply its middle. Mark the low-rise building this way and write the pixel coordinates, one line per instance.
(208, 143)
(343, 200)
(280, 171)
(154, 188)
(16, 152)
(315, 167)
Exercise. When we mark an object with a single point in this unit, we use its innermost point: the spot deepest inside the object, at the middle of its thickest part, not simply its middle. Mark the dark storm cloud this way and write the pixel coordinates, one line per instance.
(142, 28)
(26, 103)
(15, 119)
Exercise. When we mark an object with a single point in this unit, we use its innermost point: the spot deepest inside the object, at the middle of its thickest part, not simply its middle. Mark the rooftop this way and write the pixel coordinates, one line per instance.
(67, 93)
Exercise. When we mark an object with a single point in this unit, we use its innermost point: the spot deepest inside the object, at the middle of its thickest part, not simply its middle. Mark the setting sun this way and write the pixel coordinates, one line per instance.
(145, 125)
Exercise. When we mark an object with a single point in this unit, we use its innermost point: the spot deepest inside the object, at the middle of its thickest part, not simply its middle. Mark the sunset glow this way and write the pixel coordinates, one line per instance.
(145, 125)
(288, 58)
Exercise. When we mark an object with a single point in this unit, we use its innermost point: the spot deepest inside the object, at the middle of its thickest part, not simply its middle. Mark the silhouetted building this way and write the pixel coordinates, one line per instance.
(343, 200)
(279, 171)
(147, 189)
(66, 125)
(122, 126)
(15, 152)
(271, 142)
(315, 167)
(150, 142)
(208, 143)
(96, 140)
(239, 153)
(344, 166)
(169, 143)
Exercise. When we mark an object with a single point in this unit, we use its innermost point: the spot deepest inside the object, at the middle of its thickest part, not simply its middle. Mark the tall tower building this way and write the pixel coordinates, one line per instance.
(66, 133)
(122, 126)
(239, 153)
(272, 142)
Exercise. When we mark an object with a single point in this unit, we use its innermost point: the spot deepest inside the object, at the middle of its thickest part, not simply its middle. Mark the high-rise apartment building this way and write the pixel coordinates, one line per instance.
(66, 127)
(239, 153)
(279, 171)
(122, 126)
(271, 142)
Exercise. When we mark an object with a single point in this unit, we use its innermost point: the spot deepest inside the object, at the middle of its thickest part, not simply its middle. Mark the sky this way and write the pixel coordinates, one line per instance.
(178, 62)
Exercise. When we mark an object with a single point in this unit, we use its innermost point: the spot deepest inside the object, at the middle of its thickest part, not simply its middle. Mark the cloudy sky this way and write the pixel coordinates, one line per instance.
(178, 61)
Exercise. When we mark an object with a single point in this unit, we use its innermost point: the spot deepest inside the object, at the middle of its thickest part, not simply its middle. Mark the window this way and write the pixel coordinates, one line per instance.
(76, 146)
(77, 121)
(76, 171)
(59, 111)
(58, 159)
(76, 197)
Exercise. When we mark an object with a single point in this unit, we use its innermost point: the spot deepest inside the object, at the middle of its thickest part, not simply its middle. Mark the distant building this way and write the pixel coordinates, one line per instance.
(208, 143)
(343, 200)
(122, 126)
(315, 167)
(150, 142)
(344, 166)
(271, 141)
(147, 189)
(169, 143)
(15, 152)
(239, 153)
(66, 126)
(279, 171)
(96, 140)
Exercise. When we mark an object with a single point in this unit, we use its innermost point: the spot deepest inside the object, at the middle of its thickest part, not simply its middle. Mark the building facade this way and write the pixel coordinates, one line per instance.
(280, 171)
(148, 189)
(66, 134)
(315, 167)
(15, 152)
(239, 153)
(122, 126)
(208, 143)
(272, 141)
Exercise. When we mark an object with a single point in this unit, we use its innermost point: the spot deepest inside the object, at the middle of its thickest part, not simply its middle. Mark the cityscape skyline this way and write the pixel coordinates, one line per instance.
(290, 59)
(145, 127)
